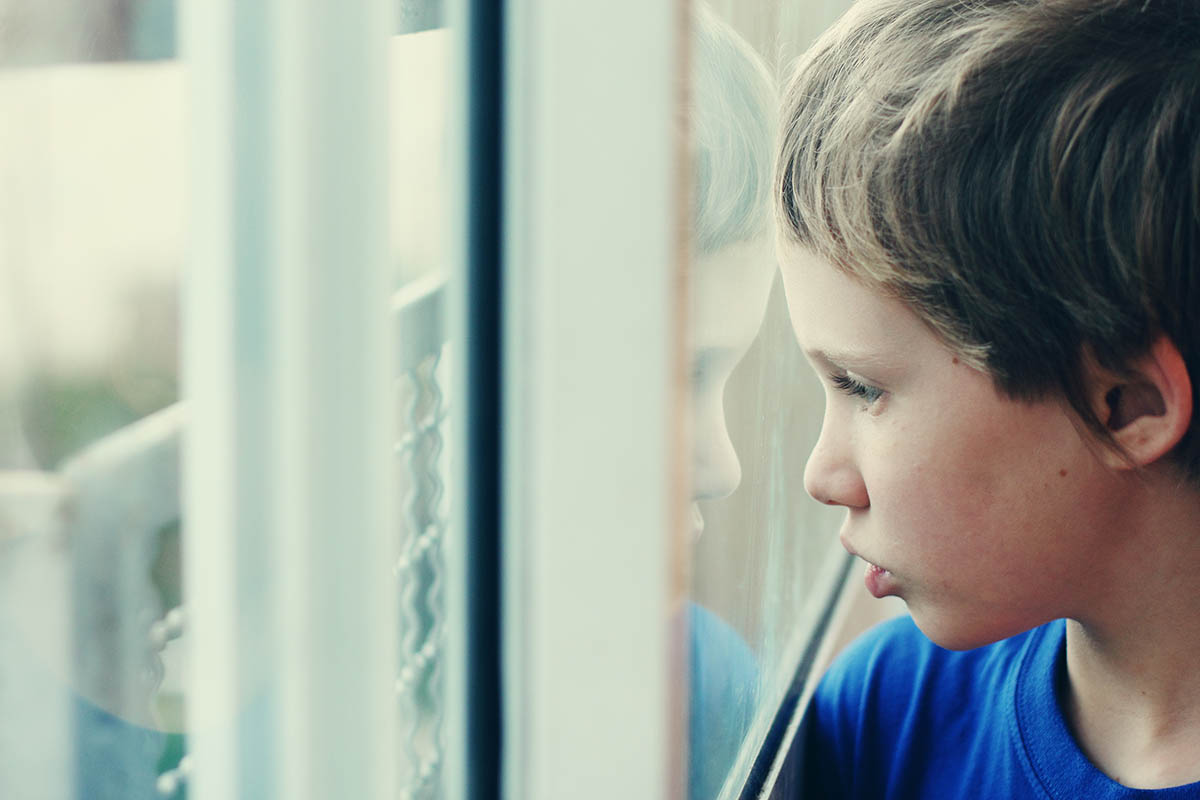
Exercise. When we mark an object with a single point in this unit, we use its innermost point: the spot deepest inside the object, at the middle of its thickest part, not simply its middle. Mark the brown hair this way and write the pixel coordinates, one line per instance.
(1024, 175)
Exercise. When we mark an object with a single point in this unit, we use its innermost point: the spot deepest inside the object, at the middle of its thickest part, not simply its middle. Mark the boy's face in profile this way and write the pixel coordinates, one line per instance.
(728, 293)
(983, 513)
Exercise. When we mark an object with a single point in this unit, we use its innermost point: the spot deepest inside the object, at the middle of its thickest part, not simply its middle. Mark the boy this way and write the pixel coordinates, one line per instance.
(990, 241)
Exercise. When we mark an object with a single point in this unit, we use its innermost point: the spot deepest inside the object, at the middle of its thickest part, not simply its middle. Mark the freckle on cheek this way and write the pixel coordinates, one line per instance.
(956, 359)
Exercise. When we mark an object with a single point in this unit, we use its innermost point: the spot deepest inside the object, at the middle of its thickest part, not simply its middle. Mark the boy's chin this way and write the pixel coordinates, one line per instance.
(951, 633)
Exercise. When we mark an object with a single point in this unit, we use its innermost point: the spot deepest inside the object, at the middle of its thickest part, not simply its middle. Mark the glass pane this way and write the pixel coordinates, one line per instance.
(765, 555)
(92, 229)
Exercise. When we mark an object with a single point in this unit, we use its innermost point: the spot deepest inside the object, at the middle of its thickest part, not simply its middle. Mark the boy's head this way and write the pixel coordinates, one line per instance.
(1024, 176)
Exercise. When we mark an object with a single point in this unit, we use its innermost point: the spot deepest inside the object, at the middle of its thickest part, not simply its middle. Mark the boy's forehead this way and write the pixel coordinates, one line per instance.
(837, 317)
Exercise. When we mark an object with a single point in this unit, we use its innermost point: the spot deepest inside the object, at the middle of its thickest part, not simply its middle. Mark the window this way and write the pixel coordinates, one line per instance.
(398, 401)
(766, 563)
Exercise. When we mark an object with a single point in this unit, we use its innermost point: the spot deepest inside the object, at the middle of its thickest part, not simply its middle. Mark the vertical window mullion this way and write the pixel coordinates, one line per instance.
(289, 507)
(593, 464)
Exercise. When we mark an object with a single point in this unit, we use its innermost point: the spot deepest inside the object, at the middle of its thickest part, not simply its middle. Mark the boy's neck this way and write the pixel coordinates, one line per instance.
(1132, 697)
(1141, 729)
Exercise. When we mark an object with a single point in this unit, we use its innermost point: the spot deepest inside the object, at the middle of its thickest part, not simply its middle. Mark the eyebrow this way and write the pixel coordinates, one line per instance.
(844, 358)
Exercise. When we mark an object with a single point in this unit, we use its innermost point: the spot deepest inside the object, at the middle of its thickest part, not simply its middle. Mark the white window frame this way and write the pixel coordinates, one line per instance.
(595, 473)
(287, 456)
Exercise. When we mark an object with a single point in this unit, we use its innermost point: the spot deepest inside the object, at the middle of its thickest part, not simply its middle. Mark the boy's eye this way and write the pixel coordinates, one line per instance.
(853, 388)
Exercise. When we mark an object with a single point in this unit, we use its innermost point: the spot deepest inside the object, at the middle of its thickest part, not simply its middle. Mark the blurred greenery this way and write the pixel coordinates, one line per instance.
(65, 414)
(176, 749)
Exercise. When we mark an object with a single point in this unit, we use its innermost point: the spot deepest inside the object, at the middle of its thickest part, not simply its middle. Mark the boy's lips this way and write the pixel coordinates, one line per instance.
(879, 581)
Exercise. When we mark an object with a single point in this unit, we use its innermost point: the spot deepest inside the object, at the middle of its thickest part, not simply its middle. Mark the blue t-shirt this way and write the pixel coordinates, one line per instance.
(899, 717)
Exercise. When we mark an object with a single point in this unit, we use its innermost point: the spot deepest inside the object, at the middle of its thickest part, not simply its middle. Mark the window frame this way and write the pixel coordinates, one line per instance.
(593, 513)
(286, 329)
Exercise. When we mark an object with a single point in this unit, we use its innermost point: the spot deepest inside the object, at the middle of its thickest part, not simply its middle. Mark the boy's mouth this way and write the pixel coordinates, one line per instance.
(880, 582)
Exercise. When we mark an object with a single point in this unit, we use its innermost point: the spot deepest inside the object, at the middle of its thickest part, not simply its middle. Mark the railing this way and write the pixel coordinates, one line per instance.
(419, 569)
(77, 552)
(83, 619)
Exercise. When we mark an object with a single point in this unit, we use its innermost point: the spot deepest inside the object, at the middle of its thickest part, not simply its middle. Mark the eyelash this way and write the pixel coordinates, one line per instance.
(853, 388)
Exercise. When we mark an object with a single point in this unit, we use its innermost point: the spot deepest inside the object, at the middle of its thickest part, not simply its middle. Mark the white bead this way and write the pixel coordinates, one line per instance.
(158, 636)
(167, 784)
(175, 619)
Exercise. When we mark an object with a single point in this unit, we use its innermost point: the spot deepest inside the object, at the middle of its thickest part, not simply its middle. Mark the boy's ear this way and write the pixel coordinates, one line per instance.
(1148, 409)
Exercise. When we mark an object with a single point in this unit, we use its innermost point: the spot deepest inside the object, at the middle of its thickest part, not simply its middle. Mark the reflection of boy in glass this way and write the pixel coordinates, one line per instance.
(733, 262)
(991, 250)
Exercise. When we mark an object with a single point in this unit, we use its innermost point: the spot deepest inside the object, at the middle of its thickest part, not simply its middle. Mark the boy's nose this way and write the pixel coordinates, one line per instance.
(831, 476)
